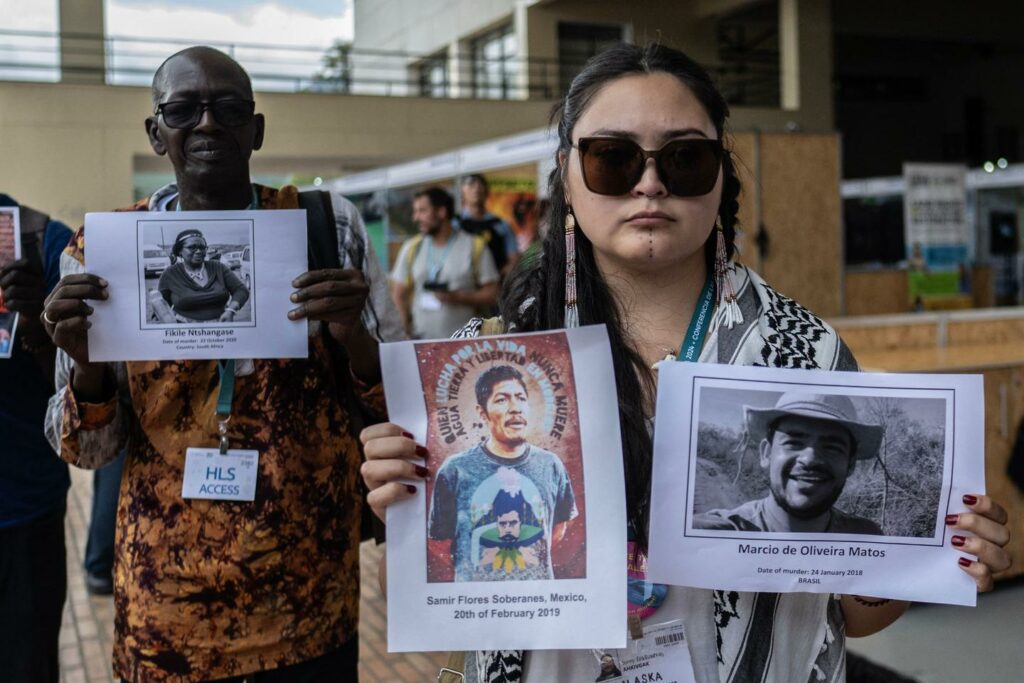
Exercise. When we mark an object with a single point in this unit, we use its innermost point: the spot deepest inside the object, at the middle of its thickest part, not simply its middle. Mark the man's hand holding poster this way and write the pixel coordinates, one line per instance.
(196, 284)
(518, 538)
(783, 481)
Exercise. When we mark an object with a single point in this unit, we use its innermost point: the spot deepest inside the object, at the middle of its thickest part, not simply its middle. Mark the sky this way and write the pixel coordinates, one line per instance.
(313, 24)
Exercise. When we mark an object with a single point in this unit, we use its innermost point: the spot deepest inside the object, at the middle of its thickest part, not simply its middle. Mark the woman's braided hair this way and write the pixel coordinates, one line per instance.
(534, 296)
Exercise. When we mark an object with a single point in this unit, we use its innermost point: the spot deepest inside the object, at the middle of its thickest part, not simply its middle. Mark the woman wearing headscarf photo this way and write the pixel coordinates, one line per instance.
(197, 289)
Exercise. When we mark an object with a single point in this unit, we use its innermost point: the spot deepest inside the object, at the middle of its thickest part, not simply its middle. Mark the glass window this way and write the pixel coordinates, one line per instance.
(434, 76)
(579, 42)
(495, 64)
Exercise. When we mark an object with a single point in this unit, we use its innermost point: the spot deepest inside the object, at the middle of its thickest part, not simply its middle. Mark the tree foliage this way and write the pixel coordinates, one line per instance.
(336, 68)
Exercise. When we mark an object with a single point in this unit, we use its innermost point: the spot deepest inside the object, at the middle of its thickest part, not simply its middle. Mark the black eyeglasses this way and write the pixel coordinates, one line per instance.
(613, 166)
(187, 113)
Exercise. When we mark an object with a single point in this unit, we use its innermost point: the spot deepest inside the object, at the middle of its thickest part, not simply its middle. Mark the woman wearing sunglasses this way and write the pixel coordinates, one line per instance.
(643, 218)
(198, 289)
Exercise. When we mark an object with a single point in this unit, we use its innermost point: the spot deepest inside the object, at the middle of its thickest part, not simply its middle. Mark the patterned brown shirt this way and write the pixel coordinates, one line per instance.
(211, 589)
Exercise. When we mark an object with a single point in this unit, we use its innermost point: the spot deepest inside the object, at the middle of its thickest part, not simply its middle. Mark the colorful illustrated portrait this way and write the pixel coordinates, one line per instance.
(505, 500)
(515, 201)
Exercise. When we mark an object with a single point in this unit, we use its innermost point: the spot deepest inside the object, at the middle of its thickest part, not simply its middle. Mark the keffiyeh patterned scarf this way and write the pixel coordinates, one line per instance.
(780, 333)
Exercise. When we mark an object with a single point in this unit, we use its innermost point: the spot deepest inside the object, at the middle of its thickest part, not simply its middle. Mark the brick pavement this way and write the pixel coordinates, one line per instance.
(88, 626)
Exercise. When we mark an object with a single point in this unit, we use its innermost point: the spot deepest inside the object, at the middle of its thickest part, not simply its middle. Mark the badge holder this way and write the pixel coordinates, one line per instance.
(221, 473)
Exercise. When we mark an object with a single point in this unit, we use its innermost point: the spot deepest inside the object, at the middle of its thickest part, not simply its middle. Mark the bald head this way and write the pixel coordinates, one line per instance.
(199, 58)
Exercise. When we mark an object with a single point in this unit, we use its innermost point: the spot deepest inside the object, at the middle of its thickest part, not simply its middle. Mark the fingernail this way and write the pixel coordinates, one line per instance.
(294, 297)
(958, 540)
(408, 436)
(103, 283)
(970, 500)
(410, 488)
(90, 309)
(952, 519)
(422, 471)
(421, 451)
(293, 315)
(295, 283)
(964, 562)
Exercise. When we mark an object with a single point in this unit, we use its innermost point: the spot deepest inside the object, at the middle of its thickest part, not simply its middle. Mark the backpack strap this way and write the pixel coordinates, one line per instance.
(321, 232)
(410, 256)
(479, 244)
(322, 252)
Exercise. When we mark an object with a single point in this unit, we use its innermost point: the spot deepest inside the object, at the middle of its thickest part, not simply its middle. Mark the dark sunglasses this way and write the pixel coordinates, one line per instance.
(613, 166)
(187, 113)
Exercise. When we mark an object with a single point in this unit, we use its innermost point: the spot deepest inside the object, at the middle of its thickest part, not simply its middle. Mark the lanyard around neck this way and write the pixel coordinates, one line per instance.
(699, 324)
(226, 368)
(434, 269)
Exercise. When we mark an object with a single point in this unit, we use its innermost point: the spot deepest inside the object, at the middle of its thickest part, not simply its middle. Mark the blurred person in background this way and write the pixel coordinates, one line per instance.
(33, 480)
(477, 220)
(442, 275)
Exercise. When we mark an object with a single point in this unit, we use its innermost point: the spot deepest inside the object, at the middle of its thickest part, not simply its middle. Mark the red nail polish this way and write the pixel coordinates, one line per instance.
(424, 472)
(970, 500)
(421, 452)
(410, 488)
(408, 436)
(952, 519)
(964, 562)
(958, 540)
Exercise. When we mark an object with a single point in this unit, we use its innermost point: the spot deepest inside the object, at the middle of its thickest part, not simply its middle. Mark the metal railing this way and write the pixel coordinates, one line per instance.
(119, 60)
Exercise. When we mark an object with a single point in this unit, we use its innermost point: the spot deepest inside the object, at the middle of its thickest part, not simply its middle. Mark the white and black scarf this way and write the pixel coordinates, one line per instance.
(739, 637)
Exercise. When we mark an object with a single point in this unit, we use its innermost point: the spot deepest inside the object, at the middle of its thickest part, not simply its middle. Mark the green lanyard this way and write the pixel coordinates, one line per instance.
(699, 324)
(225, 397)
(226, 368)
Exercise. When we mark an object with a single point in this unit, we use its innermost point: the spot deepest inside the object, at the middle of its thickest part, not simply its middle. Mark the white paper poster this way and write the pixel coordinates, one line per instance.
(813, 481)
(10, 251)
(196, 284)
(518, 539)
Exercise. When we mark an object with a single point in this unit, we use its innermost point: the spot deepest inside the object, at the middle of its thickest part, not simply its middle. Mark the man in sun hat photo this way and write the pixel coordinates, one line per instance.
(808, 445)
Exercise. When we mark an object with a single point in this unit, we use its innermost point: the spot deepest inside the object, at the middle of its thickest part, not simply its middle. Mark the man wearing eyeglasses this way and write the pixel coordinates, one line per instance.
(266, 590)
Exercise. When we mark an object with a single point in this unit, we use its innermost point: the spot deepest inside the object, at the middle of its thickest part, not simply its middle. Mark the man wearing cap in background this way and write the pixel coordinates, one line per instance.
(808, 444)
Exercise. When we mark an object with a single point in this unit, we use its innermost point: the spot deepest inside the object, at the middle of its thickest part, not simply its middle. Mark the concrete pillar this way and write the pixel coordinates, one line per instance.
(460, 68)
(805, 60)
(83, 54)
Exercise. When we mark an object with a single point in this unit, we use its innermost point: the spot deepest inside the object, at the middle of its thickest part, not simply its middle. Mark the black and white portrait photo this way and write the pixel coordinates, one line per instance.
(197, 284)
(818, 460)
(791, 481)
(196, 272)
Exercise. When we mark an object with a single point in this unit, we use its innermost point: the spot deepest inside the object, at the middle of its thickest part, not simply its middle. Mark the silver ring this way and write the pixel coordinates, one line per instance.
(47, 318)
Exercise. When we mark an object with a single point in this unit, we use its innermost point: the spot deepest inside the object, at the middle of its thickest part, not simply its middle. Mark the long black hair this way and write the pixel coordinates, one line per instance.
(543, 278)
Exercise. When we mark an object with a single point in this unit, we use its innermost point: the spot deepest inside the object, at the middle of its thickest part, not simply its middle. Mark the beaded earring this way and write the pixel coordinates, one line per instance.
(726, 295)
(572, 315)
